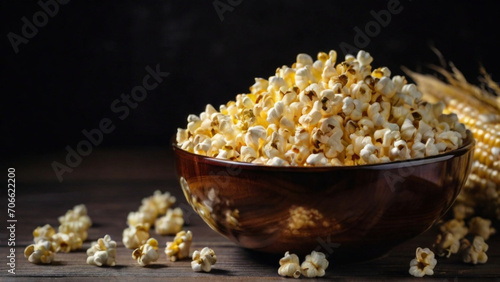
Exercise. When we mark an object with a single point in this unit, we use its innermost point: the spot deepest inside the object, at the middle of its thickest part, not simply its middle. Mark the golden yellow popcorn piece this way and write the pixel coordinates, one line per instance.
(475, 253)
(77, 227)
(135, 236)
(144, 218)
(324, 113)
(40, 253)
(179, 248)
(43, 233)
(455, 227)
(102, 252)
(289, 266)
(446, 244)
(203, 260)
(146, 253)
(170, 223)
(423, 264)
(314, 265)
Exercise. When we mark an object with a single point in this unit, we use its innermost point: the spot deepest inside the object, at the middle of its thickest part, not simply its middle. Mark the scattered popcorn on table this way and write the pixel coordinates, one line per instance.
(41, 252)
(77, 214)
(135, 236)
(66, 243)
(475, 253)
(171, 223)
(289, 266)
(461, 211)
(446, 244)
(203, 260)
(147, 253)
(43, 233)
(102, 252)
(314, 265)
(423, 264)
(179, 248)
(324, 113)
(481, 227)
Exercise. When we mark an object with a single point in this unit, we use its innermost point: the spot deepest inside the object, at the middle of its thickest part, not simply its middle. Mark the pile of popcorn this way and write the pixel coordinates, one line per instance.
(324, 113)
(72, 232)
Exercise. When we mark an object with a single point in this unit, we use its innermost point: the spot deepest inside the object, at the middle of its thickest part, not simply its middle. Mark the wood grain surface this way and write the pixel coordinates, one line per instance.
(112, 183)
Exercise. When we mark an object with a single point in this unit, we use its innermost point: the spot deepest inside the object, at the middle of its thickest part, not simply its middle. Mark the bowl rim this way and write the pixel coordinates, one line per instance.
(468, 145)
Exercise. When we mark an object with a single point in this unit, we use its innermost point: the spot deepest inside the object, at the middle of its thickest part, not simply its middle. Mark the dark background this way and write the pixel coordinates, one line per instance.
(66, 77)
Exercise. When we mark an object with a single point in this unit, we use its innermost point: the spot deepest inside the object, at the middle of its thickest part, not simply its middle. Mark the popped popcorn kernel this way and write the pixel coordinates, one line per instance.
(135, 236)
(179, 248)
(203, 260)
(41, 252)
(102, 252)
(144, 218)
(160, 201)
(147, 253)
(446, 244)
(289, 266)
(43, 233)
(455, 227)
(314, 265)
(481, 227)
(423, 264)
(77, 214)
(77, 227)
(320, 113)
(476, 252)
(170, 223)
(66, 243)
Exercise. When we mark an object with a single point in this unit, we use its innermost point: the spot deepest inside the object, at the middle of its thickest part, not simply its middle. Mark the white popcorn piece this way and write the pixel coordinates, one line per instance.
(66, 243)
(314, 265)
(203, 260)
(40, 253)
(161, 201)
(144, 218)
(423, 264)
(179, 248)
(147, 253)
(102, 252)
(78, 213)
(318, 159)
(481, 227)
(43, 233)
(475, 253)
(135, 236)
(171, 223)
(364, 58)
(289, 266)
(304, 60)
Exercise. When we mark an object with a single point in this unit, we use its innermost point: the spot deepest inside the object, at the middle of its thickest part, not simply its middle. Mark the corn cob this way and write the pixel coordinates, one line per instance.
(479, 110)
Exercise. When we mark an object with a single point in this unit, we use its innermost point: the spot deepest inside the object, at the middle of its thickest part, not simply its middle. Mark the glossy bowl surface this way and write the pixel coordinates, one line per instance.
(352, 212)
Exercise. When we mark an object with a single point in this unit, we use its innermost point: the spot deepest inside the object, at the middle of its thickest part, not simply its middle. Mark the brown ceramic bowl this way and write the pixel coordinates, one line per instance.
(353, 212)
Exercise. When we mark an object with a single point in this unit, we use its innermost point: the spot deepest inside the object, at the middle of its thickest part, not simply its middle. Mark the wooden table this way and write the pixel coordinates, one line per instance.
(111, 183)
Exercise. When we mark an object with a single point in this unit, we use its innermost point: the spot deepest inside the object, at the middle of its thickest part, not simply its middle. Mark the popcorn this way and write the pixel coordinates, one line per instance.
(171, 223)
(41, 252)
(475, 253)
(147, 253)
(317, 112)
(289, 266)
(179, 248)
(77, 214)
(455, 227)
(63, 242)
(446, 244)
(481, 227)
(161, 201)
(135, 236)
(43, 233)
(77, 227)
(314, 265)
(144, 218)
(423, 264)
(203, 260)
(102, 252)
